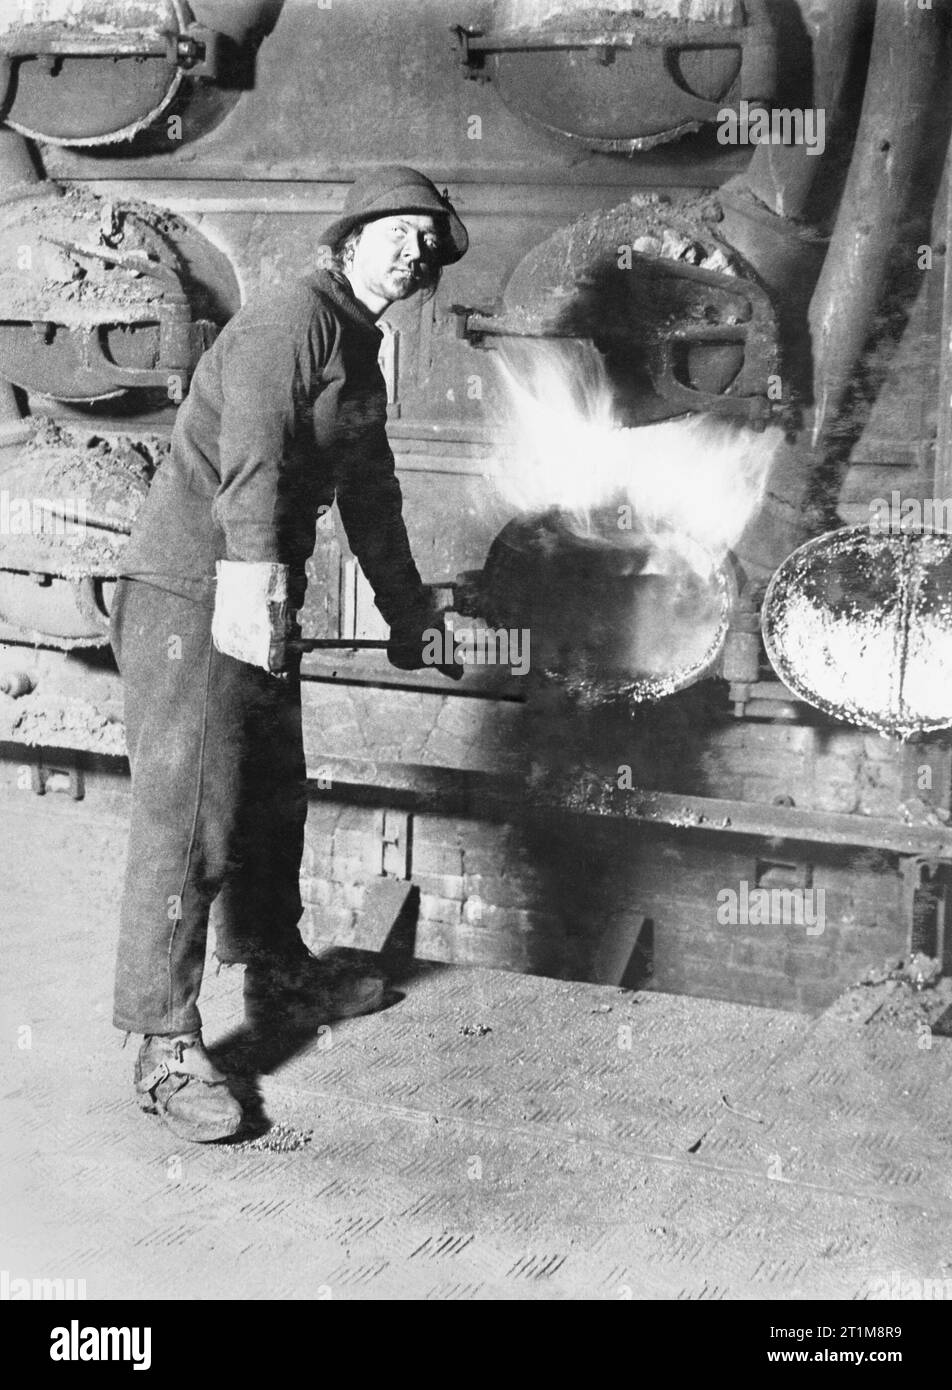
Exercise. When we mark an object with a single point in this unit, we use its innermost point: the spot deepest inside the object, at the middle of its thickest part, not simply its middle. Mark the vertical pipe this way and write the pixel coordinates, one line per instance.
(17, 169)
(905, 64)
(942, 227)
(781, 176)
(13, 428)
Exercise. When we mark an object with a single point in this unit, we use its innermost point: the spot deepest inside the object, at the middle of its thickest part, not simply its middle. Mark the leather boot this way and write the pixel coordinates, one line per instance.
(175, 1078)
(309, 990)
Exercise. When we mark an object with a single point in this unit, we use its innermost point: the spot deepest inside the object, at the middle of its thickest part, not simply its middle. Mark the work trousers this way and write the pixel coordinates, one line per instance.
(219, 801)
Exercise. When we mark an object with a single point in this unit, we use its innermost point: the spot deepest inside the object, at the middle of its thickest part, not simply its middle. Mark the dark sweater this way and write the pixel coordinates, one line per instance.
(286, 411)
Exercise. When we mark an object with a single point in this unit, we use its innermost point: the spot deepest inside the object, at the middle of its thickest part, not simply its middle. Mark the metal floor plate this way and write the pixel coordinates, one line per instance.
(489, 1136)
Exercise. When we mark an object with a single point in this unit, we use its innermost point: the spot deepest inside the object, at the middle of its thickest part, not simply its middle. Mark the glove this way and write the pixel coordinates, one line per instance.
(424, 644)
(252, 620)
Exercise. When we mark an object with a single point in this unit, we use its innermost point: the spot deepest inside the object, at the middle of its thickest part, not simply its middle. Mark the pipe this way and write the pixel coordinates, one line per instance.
(17, 169)
(780, 177)
(17, 172)
(766, 214)
(13, 428)
(942, 231)
(335, 644)
(236, 18)
(905, 63)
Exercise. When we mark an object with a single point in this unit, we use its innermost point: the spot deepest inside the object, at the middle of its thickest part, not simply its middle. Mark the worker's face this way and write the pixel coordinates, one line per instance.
(392, 255)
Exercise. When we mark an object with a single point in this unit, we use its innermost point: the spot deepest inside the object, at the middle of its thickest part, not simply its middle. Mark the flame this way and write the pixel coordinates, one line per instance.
(692, 485)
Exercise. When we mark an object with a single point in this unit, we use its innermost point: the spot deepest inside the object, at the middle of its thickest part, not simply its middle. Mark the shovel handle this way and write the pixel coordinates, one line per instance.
(330, 644)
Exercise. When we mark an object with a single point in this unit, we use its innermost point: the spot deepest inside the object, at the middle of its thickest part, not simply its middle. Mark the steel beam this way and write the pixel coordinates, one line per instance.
(488, 795)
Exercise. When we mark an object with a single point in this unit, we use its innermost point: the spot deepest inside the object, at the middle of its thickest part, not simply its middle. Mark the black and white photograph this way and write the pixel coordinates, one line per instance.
(476, 663)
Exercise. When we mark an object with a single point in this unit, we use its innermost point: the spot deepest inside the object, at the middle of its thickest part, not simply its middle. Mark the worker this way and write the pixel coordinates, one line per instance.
(286, 412)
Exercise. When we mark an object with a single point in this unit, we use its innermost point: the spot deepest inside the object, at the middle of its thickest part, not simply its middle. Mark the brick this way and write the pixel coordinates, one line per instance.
(473, 947)
(815, 995)
(494, 835)
(748, 953)
(872, 946)
(358, 818)
(477, 913)
(801, 965)
(367, 846)
(350, 895)
(529, 865)
(435, 941)
(316, 891)
(352, 843)
(768, 992)
(504, 890)
(728, 785)
(839, 798)
(879, 801)
(443, 747)
(883, 898)
(839, 878)
(340, 921)
(437, 830)
(328, 925)
(758, 988)
(395, 863)
(742, 953)
(315, 932)
(316, 861)
(442, 885)
(322, 817)
(880, 749)
(351, 838)
(492, 859)
(834, 935)
(344, 870)
(843, 743)
(435, 859)
(447, 910)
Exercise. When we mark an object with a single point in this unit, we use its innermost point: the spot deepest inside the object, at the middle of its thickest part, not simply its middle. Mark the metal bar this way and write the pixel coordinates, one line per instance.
(784, 822)
(30, 42)
(484, 793)
(525, 177)
(326, 644)
(485, 197)
(683, 34)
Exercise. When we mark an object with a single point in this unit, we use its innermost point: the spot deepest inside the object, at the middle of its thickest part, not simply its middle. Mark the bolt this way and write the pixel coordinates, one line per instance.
(189, 51)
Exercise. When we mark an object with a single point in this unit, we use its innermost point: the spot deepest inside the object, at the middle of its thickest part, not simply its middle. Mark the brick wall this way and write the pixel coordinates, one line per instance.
(817, 768)
(547, 896)
(543, 897)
